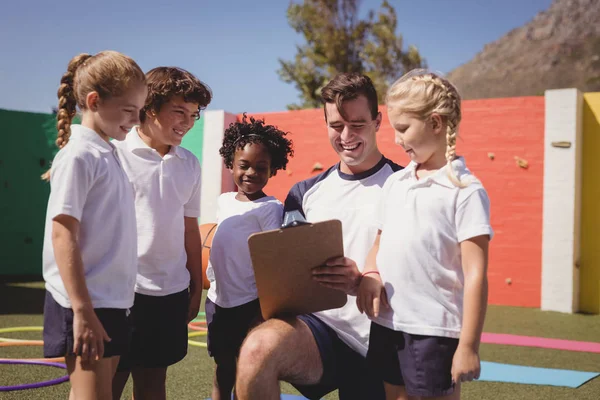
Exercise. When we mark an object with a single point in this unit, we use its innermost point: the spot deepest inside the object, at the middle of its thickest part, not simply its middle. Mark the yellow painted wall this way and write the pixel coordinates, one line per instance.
(589, 295)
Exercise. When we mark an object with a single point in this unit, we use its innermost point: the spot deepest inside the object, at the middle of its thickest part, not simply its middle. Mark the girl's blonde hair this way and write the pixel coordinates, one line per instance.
(423, 93)
(109, 73)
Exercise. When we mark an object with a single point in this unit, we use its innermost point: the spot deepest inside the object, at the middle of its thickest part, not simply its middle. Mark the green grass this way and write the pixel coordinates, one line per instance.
(191, 379)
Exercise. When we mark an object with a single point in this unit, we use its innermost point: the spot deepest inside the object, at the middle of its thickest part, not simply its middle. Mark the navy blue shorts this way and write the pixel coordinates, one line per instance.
(58, 329)
(159, 335)
(422, 364)
(227, 329)
(343, 368)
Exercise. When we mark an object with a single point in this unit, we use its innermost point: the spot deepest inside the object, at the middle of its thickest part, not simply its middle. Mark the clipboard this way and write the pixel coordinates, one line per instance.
(283, 260)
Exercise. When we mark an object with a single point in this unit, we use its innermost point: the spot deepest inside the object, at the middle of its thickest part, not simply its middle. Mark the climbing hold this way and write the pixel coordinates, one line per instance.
(522, 163)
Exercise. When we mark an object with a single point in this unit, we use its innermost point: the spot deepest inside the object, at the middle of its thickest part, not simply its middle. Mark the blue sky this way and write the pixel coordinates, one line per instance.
(233, 45)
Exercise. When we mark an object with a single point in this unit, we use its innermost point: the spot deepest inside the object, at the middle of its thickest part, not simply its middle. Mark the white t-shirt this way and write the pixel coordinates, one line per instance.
(167, 189)
(88, 183)
(423, 222)
(229, 268)
(352, 199)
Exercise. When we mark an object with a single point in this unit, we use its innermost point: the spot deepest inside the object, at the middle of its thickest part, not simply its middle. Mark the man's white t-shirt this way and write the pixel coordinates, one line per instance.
(167, 189)
(423, 221)
(352, 199)
(88, 183)
(229, 268)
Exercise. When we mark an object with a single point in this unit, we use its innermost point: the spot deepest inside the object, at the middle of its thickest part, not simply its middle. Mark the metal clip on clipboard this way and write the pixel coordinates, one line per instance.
(292, 219)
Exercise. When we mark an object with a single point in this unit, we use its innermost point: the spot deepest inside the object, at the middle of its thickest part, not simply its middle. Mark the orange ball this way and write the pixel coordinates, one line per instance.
(207, 232)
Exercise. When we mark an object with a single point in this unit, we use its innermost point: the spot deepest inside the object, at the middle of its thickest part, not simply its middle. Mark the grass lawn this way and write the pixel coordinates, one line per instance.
(22, 304)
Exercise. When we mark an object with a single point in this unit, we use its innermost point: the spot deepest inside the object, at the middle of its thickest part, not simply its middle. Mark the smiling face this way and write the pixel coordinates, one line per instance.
(354, 139)
(114, 117)
(422, 140)
(168, 126)
(251, 171)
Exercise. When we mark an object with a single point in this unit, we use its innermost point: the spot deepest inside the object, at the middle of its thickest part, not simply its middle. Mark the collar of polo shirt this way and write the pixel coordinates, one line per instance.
(85, 134)
(135, 142)
(440, 176)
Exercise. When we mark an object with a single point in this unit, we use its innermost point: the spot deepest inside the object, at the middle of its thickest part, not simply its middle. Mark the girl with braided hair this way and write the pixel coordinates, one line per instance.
(425, 281)
(89, 255)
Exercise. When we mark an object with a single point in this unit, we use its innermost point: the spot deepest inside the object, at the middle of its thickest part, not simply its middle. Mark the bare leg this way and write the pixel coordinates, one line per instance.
(149, 383)
(223, 381)
(118, 384)
(91, 381)
(395, 392)
(277, 350)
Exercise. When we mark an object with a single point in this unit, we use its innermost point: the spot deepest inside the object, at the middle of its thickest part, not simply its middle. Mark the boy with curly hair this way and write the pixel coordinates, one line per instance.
(166, 181)
(253, 152)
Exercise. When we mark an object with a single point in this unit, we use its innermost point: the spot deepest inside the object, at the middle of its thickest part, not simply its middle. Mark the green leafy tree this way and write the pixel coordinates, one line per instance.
(337, 40)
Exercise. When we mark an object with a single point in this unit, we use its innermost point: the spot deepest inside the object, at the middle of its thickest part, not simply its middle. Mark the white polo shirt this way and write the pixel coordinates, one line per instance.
(423, 222)
(88, 183)
(230, 271)
(167, 189)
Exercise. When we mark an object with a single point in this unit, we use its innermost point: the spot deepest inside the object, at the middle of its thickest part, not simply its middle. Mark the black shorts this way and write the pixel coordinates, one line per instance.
(422, 364)
(343, 368)
(58, 329)
(159, 336)
(228, 327)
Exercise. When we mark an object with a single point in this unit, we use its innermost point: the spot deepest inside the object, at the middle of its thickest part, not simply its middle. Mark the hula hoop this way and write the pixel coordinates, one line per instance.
(28, 343)
(194, 326)
(34, 385)
(199, 333)
(200, 314)
(20, 329)
(197, 343)
(22, 343)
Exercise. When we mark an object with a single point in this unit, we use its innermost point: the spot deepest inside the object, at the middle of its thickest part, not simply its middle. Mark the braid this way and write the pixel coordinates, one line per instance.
(67, 104)
(66, 101)
(449, 107)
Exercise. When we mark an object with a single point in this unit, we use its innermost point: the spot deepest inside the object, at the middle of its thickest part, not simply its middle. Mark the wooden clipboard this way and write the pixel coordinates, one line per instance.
(283, 260)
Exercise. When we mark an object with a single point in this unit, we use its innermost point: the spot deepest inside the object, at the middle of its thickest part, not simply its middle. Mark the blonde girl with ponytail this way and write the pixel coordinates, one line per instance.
(425, 281)
(90, 255)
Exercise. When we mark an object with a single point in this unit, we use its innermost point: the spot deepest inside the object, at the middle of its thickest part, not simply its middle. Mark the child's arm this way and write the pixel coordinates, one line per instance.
(88, 333)
(466, 363)
(193, 249)
(371, 292)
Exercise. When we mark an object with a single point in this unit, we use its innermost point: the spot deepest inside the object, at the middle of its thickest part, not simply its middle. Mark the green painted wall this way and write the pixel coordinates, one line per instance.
(26, 152)
(194, 138)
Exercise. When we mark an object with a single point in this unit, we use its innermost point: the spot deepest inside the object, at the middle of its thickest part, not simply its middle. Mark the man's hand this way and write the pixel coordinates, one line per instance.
(339, 273)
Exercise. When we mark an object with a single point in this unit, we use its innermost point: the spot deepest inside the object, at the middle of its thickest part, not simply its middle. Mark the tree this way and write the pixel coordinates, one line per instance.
(338, 41)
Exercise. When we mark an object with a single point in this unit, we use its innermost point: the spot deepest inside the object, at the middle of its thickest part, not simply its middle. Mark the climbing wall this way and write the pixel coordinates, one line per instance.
(503, 143)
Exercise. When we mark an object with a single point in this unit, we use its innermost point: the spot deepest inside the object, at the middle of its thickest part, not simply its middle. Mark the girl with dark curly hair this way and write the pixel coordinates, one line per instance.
(254, 152)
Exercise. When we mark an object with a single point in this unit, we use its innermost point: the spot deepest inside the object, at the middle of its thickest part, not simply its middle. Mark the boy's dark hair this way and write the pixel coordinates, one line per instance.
(348, 86)
(243, 132)
(164, 83)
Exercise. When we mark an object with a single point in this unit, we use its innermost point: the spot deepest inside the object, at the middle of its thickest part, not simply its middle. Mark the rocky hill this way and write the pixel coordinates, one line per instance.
(559, 48)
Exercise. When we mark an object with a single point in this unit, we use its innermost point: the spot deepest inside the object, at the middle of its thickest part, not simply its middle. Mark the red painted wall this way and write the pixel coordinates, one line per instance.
(506, 127)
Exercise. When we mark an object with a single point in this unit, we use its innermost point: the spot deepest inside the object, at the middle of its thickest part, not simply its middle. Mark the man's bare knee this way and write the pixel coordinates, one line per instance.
(260, 346)
(280, 349)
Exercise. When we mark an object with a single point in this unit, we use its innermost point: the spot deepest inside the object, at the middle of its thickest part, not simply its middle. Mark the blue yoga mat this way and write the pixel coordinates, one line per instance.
(286, 397)
(496, 372)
